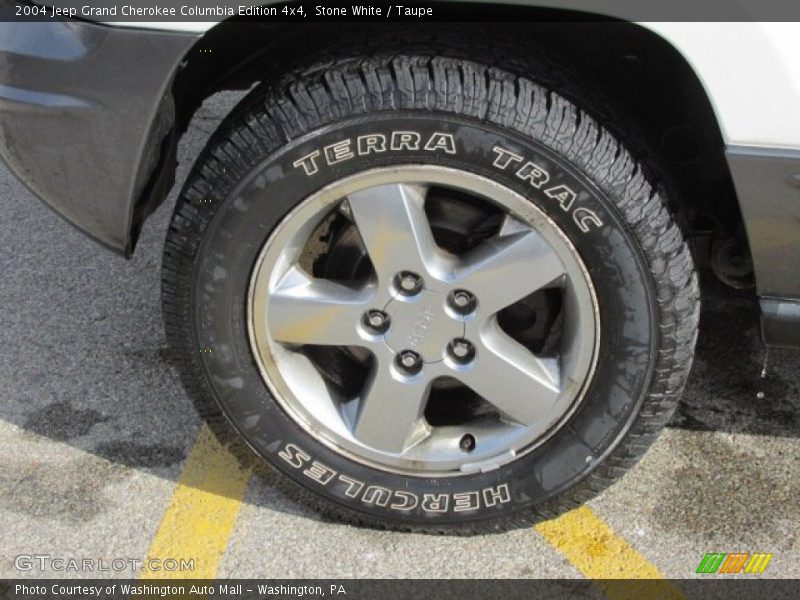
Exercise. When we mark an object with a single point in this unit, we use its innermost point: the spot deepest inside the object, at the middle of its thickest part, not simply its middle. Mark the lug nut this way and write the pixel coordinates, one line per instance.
(462, 301)
(409, 362)
(376, 321)
(467, 443)
(460, 350)
(408, 283)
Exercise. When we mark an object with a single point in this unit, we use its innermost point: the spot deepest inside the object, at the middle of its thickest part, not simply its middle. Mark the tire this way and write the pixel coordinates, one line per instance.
(288, 143)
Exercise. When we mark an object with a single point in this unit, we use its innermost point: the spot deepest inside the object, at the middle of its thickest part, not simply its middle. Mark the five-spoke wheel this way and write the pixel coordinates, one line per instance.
(423, 318)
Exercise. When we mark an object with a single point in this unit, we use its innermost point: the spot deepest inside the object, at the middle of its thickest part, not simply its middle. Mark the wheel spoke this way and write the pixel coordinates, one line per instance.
(394, 227)
(390, 411)
(521, 385)
(505, 270)
(304, 310)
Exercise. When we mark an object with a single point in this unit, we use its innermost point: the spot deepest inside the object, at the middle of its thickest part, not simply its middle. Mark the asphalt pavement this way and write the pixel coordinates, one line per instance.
(95, 431)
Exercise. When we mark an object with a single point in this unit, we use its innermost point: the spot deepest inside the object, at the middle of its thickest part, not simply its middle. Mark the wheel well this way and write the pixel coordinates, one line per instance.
(642, 76)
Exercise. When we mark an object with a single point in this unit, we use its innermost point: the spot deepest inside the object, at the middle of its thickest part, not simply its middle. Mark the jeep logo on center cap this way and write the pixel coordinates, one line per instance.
(422, 323)
(417, 335)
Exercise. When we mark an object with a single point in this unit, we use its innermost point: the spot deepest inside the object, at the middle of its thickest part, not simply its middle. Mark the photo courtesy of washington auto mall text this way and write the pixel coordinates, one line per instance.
(469, 299)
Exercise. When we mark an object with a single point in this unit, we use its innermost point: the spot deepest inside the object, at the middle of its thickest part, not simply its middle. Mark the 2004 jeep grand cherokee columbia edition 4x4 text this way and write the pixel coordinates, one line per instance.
(442, 277)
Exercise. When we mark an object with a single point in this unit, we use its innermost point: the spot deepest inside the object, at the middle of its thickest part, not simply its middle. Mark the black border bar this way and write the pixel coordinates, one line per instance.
(710, 587)
(148, 11)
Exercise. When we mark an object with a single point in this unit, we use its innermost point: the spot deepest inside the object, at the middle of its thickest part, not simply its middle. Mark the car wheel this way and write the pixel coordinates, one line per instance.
(433, 293)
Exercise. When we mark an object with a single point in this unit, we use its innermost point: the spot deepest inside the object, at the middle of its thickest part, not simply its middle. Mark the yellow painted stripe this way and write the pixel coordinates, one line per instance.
(203, 511)
(600, 554)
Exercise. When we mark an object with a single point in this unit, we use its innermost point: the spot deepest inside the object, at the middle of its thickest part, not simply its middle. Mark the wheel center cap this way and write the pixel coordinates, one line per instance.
(421, 323)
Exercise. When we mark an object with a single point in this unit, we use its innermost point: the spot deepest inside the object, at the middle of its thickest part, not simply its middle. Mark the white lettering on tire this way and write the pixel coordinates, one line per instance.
(537, 177)
(294, 456)
(375, 143)
(399, 500)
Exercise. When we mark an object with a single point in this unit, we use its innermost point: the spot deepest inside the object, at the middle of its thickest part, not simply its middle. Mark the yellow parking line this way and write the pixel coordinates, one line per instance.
(203, 511)
(600, 554)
